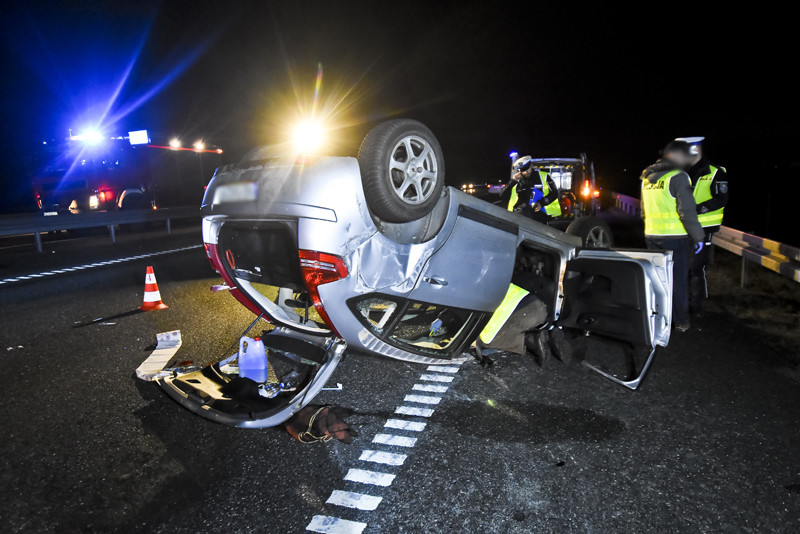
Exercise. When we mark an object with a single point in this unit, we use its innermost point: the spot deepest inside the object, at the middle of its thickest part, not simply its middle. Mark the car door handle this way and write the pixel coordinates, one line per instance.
(435, 281)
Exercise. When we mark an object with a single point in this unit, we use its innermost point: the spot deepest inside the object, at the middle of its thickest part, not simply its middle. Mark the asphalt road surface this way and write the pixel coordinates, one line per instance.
(708, 444)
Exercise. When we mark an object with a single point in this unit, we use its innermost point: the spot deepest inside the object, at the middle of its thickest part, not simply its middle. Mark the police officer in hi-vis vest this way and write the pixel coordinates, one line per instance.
(670, 223)
(530, 192)
(512, 327)
(710, 184)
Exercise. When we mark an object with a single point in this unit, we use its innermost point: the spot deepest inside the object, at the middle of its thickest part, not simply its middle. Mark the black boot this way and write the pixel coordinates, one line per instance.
(538, 344)
(560, 345)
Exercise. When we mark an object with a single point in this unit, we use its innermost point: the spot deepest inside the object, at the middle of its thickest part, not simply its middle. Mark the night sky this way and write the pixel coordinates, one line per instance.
(487, 77)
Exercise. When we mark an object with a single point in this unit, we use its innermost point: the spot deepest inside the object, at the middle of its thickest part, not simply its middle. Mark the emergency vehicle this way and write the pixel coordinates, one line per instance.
(91, 172)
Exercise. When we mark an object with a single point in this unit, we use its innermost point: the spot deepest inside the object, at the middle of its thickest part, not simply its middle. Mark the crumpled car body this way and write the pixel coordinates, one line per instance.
(297, 244)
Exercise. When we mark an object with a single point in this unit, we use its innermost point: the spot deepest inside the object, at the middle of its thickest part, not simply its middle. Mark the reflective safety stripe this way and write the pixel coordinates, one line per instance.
(514, 197)
(554, 208)
(152, 296)
(702, 193)
(513, 297)
(661, 208)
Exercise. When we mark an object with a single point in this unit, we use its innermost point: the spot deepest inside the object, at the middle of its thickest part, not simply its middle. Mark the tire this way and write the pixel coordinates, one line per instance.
(399, 188)
(593, 231)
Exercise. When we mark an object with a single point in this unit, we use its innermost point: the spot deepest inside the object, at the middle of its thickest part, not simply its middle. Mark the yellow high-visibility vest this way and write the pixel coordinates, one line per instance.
(553, 209)
(510, 302)
(702, 193)
(514, 197)
(661, 208)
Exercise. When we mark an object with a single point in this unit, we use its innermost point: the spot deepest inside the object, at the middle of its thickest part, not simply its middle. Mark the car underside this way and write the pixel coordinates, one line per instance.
(322, 252)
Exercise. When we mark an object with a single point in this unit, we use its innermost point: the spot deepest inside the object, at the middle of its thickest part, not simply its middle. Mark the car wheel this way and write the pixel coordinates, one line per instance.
(402, 170)
(593, 231)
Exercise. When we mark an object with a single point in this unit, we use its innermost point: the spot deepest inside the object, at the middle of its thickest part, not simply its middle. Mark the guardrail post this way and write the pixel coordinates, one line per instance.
(113, 233)
(745, 278)
(38, 239)
(169, 227)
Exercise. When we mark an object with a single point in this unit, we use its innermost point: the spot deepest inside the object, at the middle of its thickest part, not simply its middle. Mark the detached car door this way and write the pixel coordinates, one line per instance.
(620, 294)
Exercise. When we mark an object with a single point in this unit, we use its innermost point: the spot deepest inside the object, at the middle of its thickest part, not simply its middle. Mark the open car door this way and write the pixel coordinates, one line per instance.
(620, 294)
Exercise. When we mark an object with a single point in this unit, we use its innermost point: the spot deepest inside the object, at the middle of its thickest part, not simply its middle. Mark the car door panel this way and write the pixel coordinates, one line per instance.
(473, 268)
(621, 294)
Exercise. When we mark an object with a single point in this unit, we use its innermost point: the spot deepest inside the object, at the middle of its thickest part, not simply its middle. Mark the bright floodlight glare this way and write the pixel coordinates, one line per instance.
(174, 143)
(92, 137)
(308, 136)
(200, 145)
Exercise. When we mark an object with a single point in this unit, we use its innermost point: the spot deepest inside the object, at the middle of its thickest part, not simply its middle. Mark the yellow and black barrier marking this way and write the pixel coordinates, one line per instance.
(775, 256)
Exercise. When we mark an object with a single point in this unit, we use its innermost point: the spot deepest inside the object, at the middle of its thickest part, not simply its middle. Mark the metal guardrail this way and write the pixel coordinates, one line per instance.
(775, 256)
(36, 224)
(630, 205)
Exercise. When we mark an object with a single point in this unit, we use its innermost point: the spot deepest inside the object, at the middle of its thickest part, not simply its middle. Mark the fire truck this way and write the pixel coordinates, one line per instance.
(90, 172)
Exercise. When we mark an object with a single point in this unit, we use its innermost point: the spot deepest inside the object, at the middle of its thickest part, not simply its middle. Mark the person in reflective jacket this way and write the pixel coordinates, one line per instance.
(670, 223)
(710, 183)
(530, 192)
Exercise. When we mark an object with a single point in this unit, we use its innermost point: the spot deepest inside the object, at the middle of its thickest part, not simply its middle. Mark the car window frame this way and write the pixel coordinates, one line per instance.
(465, 335)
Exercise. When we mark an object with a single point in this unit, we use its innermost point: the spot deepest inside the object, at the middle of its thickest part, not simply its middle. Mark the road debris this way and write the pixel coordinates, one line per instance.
(167, 345)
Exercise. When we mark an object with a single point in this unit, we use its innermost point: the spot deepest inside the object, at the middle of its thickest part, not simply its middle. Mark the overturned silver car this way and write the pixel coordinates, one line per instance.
(375, 255)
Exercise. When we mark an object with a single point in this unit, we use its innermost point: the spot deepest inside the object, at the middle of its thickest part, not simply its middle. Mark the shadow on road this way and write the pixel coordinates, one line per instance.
(529, 422)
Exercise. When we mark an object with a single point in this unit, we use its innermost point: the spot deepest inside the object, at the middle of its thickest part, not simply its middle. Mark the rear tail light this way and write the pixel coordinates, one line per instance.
(319, 268)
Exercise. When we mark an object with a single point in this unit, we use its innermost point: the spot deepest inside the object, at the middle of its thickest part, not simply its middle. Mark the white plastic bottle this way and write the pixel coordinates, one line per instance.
(252, 359)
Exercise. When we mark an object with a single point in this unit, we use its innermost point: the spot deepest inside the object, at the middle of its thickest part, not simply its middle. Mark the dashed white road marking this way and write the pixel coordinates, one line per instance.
(422, 399)
(401, 424)
(413, 410)
(365, 476)
(397, 441)
(439, 375)
(92, 265)
(430, 388)
(441, 369)
(325, 524)
(436, 378)
(381, 457)
(351, 499)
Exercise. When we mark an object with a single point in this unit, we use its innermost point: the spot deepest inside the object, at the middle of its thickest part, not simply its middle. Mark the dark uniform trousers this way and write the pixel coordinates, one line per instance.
(698, 287)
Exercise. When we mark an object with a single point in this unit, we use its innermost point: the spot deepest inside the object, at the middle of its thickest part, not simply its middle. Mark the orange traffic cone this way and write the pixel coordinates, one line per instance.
(152, 297)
